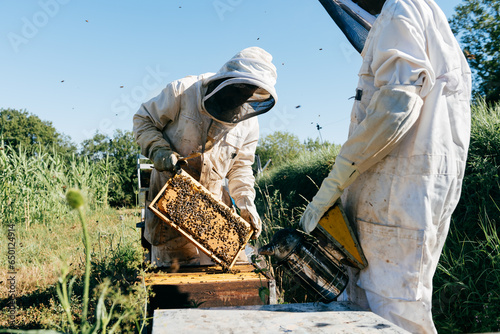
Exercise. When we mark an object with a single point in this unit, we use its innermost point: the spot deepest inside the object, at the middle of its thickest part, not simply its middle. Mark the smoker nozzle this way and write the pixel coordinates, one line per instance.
(282, 243)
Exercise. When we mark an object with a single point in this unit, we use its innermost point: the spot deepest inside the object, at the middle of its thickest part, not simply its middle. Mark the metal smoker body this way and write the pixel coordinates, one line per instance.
(319, 259)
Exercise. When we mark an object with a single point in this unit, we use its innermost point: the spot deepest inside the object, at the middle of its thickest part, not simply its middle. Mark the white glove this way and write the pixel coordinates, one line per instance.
(248, 212)
(164, 159)
(341, 176)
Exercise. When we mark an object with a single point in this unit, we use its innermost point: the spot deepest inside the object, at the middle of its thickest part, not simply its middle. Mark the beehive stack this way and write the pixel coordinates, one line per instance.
(214, 228)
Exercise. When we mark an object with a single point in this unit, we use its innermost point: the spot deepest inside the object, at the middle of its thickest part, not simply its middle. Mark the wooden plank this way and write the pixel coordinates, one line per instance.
(208, 294)
(190, 279)
(335, 317)
(208, 286)
(202, 275)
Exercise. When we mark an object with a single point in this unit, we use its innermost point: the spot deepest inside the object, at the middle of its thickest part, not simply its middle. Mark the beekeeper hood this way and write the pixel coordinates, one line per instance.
(243, 87)
(354, 17)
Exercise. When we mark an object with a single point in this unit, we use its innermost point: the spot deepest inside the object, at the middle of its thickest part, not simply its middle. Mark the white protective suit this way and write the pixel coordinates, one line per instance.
(404, 160)
(177, 120)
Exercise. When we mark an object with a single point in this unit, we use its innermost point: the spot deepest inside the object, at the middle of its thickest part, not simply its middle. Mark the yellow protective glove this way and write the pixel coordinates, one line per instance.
(164, 159)
(341, 176)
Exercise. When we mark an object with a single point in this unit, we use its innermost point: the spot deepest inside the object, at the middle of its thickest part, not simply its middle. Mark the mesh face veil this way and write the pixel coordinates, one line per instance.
(237, 99)
(242, 88)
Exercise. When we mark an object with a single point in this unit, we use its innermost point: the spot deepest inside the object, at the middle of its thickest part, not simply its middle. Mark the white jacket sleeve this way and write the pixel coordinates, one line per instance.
(153, 116)
(240, 177)
(241, 180)
(391, 113)
(398, 60)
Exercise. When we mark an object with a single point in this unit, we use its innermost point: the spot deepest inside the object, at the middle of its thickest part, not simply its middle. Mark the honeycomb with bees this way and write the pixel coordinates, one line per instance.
(212, 226)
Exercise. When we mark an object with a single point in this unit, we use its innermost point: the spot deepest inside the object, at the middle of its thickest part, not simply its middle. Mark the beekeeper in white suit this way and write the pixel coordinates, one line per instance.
(211, 114)
(400, 171)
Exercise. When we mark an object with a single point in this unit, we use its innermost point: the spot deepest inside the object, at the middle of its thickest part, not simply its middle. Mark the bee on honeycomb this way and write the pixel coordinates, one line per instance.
(209, 222)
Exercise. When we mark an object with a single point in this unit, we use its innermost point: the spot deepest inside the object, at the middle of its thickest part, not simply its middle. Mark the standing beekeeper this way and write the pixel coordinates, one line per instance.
(211, 114)
(400, 171)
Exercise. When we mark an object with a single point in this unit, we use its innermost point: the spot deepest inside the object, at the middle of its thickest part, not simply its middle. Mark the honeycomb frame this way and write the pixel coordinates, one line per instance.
(187, 206)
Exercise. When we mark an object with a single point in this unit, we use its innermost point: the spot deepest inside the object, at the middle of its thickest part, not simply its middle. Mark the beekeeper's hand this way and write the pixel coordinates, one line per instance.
(164, 159)
(341, 176)
(249, 213)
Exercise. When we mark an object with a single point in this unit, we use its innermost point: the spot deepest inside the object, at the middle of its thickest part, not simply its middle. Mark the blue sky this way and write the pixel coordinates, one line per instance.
(86, 66)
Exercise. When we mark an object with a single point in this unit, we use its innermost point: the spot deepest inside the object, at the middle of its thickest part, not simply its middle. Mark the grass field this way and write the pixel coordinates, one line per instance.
(42, 251)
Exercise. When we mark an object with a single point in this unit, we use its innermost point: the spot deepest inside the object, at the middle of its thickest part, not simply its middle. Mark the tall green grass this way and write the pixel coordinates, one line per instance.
(62, 284)
(46, 259)
(282, 194)
(33, 184)
(467, 281)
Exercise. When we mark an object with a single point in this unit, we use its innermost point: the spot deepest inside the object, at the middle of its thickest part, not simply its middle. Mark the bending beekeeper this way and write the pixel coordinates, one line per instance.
(400, 171)
(214, 115)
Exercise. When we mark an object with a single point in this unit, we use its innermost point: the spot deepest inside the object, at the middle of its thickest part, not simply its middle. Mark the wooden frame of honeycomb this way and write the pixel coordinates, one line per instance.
(184, 204)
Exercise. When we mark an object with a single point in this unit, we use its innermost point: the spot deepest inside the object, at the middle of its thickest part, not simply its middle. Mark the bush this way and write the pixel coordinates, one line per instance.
(481, 182)
(297, 180)
(467, 297)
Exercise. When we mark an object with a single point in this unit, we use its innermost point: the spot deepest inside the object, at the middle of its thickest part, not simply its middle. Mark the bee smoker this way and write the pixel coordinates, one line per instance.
(302, 256)
(319, 259)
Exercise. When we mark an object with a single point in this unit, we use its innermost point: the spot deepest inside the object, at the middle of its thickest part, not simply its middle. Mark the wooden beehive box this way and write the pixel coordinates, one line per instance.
(209, 286)
(212, 226)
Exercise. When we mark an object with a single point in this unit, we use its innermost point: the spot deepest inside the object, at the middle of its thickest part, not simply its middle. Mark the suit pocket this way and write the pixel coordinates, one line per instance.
(395, 260)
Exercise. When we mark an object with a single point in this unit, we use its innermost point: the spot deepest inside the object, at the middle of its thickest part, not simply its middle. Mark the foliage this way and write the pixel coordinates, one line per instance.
(466, 297)
(106, 318)
(22, 129)
(115, 290)
(482, 174)
(315, 144)
(120, 152)
(298, 180)
(32, 186)
(476, 24)
(26, 133)
(279, 147)
(282, 147)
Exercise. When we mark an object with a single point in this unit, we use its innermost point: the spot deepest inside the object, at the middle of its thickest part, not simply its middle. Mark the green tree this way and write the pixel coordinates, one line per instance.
(121, 152)
(476, 24)
(315, 144)
(279, 147)
(20, 128)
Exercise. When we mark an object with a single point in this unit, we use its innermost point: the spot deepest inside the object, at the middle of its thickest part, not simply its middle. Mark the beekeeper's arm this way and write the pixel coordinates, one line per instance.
(150, 120)
(241, 180)
(404, 76)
